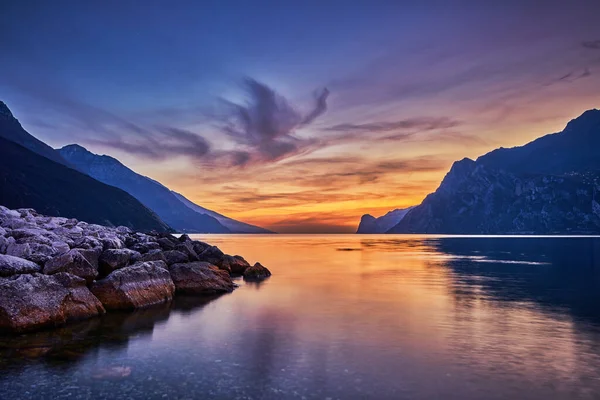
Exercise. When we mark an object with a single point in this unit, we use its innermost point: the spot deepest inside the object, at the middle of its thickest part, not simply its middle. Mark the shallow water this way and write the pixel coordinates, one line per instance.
(346, 317)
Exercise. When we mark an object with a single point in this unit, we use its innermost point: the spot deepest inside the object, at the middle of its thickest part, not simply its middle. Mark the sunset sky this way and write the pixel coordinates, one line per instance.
(298, 116)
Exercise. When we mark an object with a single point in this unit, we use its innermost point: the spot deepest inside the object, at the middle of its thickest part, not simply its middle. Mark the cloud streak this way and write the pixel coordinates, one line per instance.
(265, 124)
(417, 124)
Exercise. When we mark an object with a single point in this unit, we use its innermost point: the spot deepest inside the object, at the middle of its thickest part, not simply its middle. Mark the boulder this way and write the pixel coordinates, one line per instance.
(10, 265)
(40, 253)
(200, 278)
(188, 249)
(60, 246)
(175, 256)
(154, 255)
(92, 255)
(73, 262)
(113, 259)
(4, 242)
(256, 273)
(236, 265)
(21, 250)
(139, 285)
(111, 242)
(166, 243)
(199, 246)
(33, 301)
(184, 238)
(211, 254)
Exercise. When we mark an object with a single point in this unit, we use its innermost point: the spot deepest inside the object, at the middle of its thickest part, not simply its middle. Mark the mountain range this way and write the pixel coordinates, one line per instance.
(74, 182)
(548, 186)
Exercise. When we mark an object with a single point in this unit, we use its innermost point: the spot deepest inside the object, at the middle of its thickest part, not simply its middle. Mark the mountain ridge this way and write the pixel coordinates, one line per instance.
(547, 186)
(13, 130)
(170, 206)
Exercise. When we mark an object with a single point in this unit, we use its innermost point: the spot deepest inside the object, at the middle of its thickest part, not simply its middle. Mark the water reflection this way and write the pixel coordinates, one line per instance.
(349, 317)
(67, 345)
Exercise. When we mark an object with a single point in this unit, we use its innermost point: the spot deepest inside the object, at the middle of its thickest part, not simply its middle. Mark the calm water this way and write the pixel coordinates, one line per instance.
(346, 317)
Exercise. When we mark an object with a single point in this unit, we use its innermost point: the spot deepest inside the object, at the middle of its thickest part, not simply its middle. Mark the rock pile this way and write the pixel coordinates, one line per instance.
(54, 269)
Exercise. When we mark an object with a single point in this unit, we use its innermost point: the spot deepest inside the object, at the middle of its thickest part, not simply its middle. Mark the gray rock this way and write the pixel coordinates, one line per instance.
(211, 254)
(200, 278)
(21, 250)
(60, 247)
(166, 244)
(154, 255)
(112, 242)
(74, 263)
(188, 248)
(139, 285)
(113, 259)
(33, 301)
(10, 265)
(175, 256)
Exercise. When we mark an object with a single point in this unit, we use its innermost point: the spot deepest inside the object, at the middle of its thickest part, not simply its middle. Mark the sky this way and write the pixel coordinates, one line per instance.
(298, 116)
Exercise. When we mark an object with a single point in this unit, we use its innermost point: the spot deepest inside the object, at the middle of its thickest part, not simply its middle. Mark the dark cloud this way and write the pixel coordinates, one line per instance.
(266, 123)
(417, 124)
(160, 144)
(320, 107)
(591, 44)
(572, 76)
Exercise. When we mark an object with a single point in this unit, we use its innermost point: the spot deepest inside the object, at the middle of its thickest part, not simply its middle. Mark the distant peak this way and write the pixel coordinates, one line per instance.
(75, 148)
(585, 122)
(367, 217)
(5, 112)
(465, 163)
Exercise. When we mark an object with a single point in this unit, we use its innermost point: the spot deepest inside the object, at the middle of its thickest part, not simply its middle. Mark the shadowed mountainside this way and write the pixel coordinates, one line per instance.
(29, 180)
(152, 194)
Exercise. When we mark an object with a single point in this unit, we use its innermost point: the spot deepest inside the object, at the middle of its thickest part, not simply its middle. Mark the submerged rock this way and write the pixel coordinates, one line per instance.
(139, 285)
(200, 278)
(256, 273)
(10, 265)
(33, 301)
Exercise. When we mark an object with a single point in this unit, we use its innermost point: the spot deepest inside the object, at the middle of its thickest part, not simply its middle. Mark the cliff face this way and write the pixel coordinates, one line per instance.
(548, 186)
(370, 224)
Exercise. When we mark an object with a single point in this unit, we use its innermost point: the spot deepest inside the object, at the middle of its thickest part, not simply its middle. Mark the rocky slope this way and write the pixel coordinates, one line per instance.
(370, 224)
(54, 270)
(548, 186)
(150, 193)
(30, 180)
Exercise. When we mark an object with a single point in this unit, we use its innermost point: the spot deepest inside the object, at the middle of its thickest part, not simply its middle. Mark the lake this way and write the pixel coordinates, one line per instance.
(345, 317)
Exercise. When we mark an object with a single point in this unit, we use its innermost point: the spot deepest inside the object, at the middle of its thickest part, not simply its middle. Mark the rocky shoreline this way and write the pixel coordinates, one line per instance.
(54, 269)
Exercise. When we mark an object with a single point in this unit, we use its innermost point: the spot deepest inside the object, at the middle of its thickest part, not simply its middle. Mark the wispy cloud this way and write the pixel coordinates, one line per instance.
(591, 44)
(265, 125)
(416, 124)
(160, 143)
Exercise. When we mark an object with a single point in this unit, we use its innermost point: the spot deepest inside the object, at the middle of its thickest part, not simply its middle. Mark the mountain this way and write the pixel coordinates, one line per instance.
(231, 224)
(150, 193)
(11, 129)
(29, 180)
(370, 224)
(548, 186)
